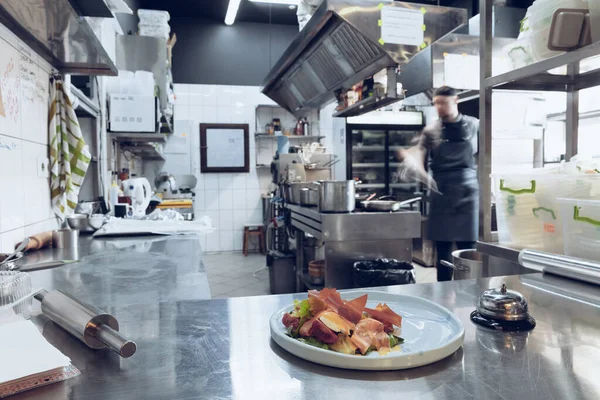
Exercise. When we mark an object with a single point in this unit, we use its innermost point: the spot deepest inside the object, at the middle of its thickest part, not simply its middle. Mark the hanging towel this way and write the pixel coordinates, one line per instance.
(69, 155)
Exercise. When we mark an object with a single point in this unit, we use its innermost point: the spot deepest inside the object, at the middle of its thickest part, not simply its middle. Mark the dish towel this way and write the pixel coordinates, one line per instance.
(69, 155)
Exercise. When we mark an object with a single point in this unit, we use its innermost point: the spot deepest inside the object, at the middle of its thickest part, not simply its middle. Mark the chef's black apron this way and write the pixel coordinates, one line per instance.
(454, 214)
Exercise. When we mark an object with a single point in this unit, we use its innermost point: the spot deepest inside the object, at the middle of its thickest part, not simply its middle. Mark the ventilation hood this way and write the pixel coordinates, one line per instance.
(59, 34)
(453, 60)
(342, 44)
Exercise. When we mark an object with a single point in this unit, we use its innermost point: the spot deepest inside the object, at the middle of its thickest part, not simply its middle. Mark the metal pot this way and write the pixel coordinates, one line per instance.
(337, 196)
(309, 197)
(467, 264)
(295, 189)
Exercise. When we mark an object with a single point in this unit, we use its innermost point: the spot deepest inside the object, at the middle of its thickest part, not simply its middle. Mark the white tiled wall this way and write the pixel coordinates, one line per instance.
(230, 200)
(24, 196)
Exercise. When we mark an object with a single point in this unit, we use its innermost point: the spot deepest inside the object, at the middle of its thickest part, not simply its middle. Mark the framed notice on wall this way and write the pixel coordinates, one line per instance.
(224, 148)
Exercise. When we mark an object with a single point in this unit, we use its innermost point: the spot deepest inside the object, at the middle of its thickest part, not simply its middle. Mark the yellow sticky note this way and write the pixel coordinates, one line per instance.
(423, 10)
(184, 134)
(423, 27)
(381, 41)
(380, 6)
(423, 45)
(379, 23)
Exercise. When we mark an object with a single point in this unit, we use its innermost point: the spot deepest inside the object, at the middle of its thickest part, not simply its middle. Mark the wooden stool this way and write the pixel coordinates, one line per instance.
(254, 230)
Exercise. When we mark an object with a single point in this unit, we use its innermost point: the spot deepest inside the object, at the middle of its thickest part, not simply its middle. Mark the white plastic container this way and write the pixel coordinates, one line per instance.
(581, 227)
(153, 17)
(518, 226)
(154, 30)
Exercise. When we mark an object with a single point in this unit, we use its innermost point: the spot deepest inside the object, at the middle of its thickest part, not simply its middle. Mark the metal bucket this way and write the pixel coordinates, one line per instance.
(467, 264)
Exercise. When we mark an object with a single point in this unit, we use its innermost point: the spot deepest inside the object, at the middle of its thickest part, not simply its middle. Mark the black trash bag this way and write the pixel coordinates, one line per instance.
(382, 272)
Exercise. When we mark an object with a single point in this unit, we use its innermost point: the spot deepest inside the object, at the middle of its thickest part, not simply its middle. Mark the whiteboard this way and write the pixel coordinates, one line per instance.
(226, 147)
(24, 82)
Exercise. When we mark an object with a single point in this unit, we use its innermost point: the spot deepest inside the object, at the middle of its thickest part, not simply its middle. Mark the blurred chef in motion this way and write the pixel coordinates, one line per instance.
(449, 146)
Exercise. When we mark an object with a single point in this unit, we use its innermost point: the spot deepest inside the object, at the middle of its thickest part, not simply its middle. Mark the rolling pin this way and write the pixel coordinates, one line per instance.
(93, 327)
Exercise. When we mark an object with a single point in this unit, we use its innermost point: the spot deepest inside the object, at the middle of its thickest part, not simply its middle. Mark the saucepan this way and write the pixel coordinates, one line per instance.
(467, 264)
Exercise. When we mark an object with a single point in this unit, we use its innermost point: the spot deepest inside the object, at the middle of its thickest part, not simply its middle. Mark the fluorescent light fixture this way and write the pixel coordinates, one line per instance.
(290, 2)
(232, 10)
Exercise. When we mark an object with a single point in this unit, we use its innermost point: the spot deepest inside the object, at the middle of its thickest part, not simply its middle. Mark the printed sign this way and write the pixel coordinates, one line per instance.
(402, 26)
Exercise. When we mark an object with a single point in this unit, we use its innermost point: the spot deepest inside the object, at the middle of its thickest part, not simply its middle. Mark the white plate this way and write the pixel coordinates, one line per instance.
(430, 331)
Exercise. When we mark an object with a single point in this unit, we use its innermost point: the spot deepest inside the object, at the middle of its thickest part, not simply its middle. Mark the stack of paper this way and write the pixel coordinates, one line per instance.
(26, 355)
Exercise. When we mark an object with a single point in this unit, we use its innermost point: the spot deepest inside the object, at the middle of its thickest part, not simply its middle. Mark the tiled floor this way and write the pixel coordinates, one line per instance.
(233, 275)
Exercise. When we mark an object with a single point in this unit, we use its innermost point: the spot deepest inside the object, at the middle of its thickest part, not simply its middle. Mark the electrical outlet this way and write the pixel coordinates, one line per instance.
(42, 167)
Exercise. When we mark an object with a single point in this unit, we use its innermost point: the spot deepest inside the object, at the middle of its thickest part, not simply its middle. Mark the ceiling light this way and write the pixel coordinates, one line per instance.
(232, 10)
(290, 2)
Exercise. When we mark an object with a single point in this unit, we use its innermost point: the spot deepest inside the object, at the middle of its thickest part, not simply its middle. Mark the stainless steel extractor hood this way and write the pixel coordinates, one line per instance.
(453, 60)
(54, 30)
(343, 44)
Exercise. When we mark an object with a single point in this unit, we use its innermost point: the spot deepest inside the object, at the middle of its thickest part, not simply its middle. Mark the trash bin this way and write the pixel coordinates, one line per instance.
(282, 272)
(382, 272)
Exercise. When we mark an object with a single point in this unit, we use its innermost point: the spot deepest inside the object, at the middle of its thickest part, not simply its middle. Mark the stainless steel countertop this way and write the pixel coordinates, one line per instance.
(356, 226)
(115, 272)
(220, 349)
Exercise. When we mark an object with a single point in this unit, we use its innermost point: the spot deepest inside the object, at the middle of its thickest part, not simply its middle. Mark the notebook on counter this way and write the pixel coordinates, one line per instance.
(27, 359)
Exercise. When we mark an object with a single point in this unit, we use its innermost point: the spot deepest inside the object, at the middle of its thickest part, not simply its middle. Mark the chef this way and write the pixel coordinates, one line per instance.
(450, 145)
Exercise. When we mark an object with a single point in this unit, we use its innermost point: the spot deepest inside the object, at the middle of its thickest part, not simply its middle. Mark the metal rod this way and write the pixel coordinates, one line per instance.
(568, 267)
(115, 341)
(485, 121)
(572, 114)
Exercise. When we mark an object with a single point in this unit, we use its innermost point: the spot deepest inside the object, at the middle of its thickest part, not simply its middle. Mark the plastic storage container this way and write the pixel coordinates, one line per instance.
(153, 17)
(581, 227)
(16, 292)
(154, 30)
(518, 226)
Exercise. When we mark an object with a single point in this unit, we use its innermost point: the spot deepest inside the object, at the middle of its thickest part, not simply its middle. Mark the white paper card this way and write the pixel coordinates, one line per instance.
(402, 26)
(225, 148)
(461, 71)
(25, 352)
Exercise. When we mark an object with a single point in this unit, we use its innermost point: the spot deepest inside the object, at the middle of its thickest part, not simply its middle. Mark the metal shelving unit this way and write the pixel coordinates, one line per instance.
(535, 77)
(261, 136)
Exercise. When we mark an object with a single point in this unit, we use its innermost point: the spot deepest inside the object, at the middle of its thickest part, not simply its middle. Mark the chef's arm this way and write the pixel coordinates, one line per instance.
(413, 159)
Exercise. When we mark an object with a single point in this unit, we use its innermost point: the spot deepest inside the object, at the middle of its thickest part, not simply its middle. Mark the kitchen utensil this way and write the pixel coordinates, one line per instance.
(65, 239)
(568, 267)
(431, 333)
(381, 205)
(96, 221)
(296, 190)
(10, 264)
(503, 309)
(18, 250)
(39, 241)
(309, 197)
(140, 192)
(337, 196)
(80, 222)
(165, 183)
(41, 266)
(467, 264)
(92, 326)
(15, 292)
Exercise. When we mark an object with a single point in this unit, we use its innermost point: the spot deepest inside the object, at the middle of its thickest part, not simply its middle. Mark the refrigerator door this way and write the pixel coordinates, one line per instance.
(368, 160)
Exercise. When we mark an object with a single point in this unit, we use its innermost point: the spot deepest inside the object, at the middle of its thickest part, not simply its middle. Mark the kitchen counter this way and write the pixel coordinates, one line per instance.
(220, 349)
(115, 272)
(351, 237)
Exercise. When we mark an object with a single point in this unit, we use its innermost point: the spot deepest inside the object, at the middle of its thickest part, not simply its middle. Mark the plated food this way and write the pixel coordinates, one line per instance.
(430, 331)
(327, 321)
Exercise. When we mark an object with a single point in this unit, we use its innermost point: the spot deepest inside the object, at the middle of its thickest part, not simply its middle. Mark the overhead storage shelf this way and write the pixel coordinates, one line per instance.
(536, 76)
